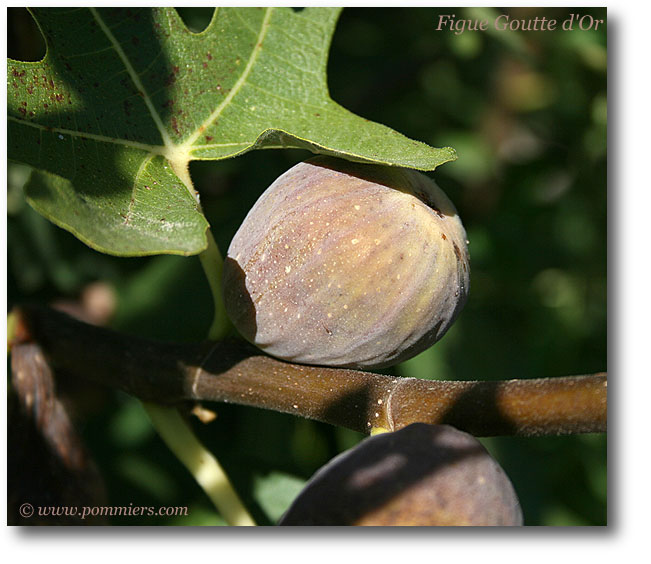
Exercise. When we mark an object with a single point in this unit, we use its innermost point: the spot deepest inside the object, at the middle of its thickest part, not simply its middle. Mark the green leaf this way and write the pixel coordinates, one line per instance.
(156, 214)
(125, 98)
(275, 492)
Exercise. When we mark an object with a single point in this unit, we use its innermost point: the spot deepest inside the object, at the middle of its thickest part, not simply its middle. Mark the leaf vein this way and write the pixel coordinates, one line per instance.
(240, 82)
(134, 77)
(246, 24)
(279, 97)
(155, 149)
(291, 64)
(132, 202)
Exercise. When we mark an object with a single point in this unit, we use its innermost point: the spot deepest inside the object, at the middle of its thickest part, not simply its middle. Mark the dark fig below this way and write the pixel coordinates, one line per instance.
(422, 475)
(349, 265)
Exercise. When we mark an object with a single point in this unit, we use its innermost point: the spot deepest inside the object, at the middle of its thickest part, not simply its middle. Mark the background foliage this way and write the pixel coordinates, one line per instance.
(527, 116)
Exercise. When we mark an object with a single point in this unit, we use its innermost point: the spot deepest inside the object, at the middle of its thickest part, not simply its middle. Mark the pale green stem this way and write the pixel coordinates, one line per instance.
(213, 265)
(211, 259)
(208, 473)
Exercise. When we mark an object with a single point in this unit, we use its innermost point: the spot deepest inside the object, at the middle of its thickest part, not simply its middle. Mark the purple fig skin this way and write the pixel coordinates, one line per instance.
(347, 265)
(421, 475)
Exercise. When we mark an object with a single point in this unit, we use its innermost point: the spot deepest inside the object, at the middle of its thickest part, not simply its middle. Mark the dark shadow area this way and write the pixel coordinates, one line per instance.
(239, 305)
(353, 409)
(196, 18)
(24, 40)
(477, 409)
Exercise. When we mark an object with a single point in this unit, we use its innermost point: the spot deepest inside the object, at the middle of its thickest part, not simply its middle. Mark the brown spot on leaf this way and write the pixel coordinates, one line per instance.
(175, 126)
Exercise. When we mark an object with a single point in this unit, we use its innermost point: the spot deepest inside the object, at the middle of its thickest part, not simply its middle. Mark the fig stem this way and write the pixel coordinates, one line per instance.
(213, 265)
(210, 258)
(233, 371)
(205, 468)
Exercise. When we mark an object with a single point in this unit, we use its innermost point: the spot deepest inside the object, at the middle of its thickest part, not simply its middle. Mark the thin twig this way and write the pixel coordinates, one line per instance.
(205, 468)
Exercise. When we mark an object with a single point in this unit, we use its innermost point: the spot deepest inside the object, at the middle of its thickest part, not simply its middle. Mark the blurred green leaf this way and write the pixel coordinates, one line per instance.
(167, 296)
(275, 492)
(130, 427)
(309, 449)
(430, 364)
(147, 475)
(513, 40)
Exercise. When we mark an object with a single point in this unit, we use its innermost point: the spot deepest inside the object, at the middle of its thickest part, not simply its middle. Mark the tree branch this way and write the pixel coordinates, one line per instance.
(233, 371)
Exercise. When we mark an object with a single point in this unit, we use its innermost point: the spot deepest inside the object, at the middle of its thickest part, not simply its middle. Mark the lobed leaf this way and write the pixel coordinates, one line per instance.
(126, 97)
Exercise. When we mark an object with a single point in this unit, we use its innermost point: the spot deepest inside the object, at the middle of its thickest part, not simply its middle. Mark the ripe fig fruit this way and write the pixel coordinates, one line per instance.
(421, 475)
(346, 264)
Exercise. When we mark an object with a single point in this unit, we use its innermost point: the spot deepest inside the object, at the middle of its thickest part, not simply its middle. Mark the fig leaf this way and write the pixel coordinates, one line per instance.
(125, 98)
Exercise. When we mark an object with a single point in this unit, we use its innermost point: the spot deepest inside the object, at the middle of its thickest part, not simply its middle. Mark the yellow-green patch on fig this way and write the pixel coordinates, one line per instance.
(346, 264)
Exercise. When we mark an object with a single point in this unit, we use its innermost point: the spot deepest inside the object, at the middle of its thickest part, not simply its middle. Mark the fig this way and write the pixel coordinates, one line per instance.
(421, 475)
(348, 265)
